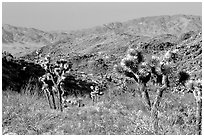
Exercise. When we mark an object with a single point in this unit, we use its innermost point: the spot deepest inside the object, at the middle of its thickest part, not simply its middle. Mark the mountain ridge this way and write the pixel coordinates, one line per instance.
(136, 25)
(155, 34)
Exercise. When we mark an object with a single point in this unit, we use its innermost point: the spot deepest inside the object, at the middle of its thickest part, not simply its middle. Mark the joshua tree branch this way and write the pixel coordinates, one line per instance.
(154, 112)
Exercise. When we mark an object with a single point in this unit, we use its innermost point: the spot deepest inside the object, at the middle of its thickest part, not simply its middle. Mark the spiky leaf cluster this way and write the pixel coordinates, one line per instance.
(135, 64)
(165, 68)
(137, 53)
(124, 71)
(154, 61)
(132, 60)
(170, 55)
(143, 69)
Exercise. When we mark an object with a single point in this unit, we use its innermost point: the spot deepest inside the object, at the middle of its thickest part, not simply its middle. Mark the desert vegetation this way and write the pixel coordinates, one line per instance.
(111, 80)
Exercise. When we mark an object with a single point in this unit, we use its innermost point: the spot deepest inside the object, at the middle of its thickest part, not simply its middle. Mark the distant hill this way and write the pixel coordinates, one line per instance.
(21, 41)
(110, 41)
(12, 34)
(157, 25)
(146, 26)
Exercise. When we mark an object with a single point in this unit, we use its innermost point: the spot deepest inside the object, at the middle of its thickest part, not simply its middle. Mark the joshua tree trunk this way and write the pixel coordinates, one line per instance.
(165, 80)
(60, 97)
(47, 94)
(94, 99)
(154, 111)
(199, 112)
(199, 117)
(79, 103)
(53, 98)
(59, 92)
(145, 95)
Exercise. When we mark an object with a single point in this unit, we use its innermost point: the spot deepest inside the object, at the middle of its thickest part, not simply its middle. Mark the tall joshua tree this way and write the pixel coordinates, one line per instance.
(135, 66)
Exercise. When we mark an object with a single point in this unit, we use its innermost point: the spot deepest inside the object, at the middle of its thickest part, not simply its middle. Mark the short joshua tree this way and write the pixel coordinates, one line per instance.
(192, 85)
(7, 56)
(60, 70)
(53, 78)
(195, 87)
(73, 102)
(95, 93)
(47, 87)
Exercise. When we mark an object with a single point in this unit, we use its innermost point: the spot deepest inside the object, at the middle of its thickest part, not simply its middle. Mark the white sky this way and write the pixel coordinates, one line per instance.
(72, 16)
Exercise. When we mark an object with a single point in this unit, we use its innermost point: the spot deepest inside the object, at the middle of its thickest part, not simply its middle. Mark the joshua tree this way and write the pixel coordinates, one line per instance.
(47, 87)
(7, 56)
(53, 78)
(191, 85)
(60, 69)
(135, 66)
(49, 84)
(161, 67)
(95, 93)
(195, 87)
(73, 101)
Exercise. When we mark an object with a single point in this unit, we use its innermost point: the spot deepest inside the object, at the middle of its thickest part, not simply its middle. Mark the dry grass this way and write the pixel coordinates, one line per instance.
(112, 115)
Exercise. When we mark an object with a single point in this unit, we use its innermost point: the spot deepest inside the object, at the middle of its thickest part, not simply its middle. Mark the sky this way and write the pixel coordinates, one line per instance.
(50, 16)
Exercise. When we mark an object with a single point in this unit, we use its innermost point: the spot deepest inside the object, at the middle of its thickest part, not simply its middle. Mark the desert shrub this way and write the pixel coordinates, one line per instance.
(17, 73)
(32, 88)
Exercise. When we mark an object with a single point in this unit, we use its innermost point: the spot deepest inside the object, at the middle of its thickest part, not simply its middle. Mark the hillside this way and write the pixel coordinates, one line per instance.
(110, 42)
(21, 41)
(95, 51)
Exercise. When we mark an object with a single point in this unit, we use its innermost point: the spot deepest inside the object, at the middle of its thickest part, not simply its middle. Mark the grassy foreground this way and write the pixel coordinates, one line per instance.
(113, 115)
